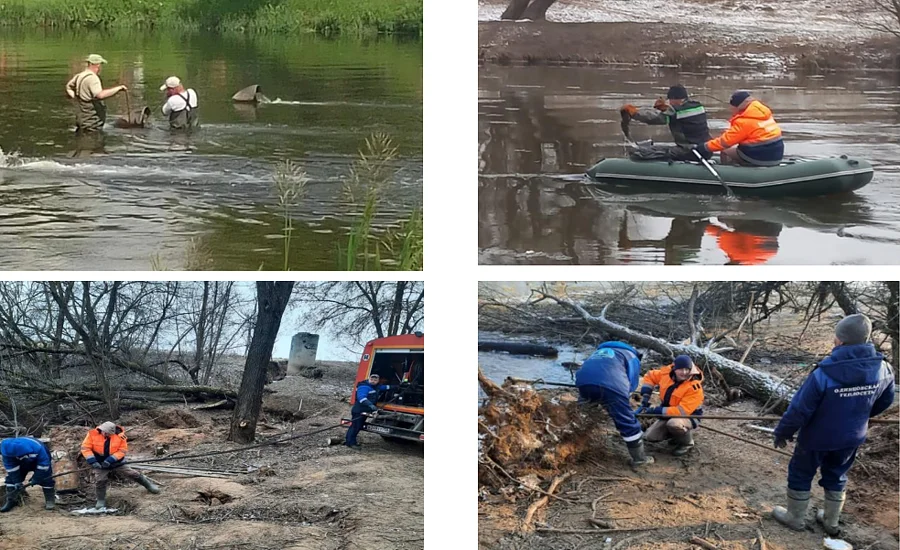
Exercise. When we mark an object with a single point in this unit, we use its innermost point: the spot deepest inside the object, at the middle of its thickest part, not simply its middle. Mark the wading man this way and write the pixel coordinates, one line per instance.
(87, 91)
(180, 105)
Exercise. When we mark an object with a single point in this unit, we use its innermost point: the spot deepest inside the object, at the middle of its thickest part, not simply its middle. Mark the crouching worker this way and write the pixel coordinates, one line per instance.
(104, 448)
(832, 410)
(609, 376)
(20, 456)
(366, 397)
(681, 390)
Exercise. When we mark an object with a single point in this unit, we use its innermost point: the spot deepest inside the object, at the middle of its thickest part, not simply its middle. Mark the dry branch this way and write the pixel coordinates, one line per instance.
(541, 502)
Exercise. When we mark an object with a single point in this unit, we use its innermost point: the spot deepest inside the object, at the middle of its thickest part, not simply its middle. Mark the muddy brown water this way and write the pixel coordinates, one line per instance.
(151, 198)
(540, 128)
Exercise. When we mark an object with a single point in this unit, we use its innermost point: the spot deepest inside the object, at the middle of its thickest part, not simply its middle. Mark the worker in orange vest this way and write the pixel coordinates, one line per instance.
(681, 392)
(104, 449)
(753, 137)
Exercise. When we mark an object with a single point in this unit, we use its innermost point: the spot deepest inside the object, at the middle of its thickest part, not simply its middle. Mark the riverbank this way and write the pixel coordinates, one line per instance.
(694, 35)
(402, 17)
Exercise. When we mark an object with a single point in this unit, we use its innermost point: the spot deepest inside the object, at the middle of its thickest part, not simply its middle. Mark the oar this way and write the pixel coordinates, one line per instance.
(712, 171)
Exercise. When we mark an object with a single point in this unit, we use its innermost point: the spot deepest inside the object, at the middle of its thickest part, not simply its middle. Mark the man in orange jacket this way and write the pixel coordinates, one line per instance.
(681, 391)
(753, 137)
(104, 449)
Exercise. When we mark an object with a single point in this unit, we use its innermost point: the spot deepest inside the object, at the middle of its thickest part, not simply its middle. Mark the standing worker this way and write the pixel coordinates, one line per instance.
(609, 377)
(753, 138)
(180, 105)
(832, 410)
(681, 390)
(104, 448)
(20, 456)
(685, 117)
(87, 91)
(366, 398)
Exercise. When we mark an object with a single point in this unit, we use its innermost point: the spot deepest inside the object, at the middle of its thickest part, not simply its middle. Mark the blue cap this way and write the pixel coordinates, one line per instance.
(738, 97)
(683, 362)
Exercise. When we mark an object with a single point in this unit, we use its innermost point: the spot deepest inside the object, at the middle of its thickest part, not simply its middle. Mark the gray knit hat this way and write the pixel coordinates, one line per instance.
(853, 329)
(108, 428)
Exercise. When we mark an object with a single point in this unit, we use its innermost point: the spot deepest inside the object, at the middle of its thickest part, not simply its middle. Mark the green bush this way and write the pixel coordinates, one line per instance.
(256, 16)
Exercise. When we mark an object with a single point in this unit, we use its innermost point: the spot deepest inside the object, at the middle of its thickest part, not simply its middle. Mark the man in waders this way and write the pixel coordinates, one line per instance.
(831, 410)
(87, 91)
(180, 106)
(609, 377)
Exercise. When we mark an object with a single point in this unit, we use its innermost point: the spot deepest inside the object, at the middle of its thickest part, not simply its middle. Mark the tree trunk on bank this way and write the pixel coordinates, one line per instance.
(527, 9)
(272, 298)
(761, 385)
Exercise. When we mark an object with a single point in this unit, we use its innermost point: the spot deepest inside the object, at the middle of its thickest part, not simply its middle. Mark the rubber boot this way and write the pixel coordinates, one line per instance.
(147, 484)
(834, 503)
(12, 498)
(49, 498)
(683, 444)
(638, 457)
(795, 514)
(101, 498)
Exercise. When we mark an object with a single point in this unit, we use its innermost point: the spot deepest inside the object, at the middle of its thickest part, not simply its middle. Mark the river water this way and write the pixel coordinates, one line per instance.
(541, 127)
(151, 198)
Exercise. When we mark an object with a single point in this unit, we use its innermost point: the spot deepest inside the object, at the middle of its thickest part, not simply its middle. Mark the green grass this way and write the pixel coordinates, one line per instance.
(330, 17)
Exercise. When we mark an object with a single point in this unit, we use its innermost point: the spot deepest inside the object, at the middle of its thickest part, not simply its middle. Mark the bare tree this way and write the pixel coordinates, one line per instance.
(532, 9)
(882, 16)
(272, 298)
(359, 310)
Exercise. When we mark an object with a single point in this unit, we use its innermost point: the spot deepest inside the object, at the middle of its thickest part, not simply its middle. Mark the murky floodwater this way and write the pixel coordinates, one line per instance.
(155, 198)
(541, 127)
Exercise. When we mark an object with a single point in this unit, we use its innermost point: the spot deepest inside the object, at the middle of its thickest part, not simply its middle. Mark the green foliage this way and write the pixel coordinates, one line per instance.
(257, 16)
(290, 185)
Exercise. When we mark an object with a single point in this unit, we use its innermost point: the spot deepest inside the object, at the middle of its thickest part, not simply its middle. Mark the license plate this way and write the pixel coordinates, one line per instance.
(378, 429)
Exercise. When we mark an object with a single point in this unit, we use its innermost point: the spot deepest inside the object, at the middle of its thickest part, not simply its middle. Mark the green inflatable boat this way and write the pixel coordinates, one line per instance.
(792, 178)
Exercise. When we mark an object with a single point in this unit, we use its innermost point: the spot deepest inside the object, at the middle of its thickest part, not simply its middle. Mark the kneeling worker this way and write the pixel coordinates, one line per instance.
(20, 456)
(609, 376)
(681, 390)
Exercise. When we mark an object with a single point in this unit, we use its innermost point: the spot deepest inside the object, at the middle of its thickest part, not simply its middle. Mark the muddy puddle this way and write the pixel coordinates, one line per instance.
(541, 127)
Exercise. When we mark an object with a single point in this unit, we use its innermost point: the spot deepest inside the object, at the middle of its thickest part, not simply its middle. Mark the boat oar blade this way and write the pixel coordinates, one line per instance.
(712, 171)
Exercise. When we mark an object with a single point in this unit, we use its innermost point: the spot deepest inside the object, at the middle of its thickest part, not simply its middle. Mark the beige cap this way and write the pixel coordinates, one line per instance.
(108, 428)
(94, 59)
(171, 82)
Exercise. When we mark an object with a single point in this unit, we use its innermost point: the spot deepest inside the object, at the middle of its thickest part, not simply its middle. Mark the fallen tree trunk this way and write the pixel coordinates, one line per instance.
(518, 348)
(761, 385)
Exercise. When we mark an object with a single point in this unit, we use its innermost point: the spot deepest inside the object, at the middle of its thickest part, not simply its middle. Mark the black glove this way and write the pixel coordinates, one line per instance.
(780, 442)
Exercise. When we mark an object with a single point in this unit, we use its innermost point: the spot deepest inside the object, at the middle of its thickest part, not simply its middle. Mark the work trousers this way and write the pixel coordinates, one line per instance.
(834, 466)
(618, 407)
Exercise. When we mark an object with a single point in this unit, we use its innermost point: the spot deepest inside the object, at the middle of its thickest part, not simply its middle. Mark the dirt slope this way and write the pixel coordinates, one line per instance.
(306, 495)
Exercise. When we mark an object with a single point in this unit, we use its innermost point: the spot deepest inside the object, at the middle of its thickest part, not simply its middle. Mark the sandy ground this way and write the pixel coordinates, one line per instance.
(693, 34)
(723, 490)
(302, 495)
